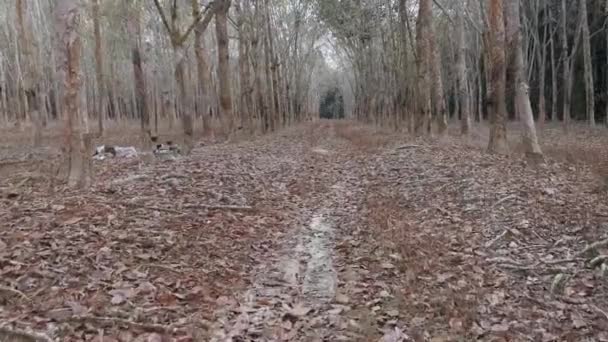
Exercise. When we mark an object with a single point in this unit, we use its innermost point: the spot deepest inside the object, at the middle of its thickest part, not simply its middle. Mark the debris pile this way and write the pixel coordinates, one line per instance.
(103, 152)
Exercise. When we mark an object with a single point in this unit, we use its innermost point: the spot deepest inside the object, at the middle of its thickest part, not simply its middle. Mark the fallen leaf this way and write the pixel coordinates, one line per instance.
(297, 312)
(393, 313)
(341, 298)
(72, 221)
(387, 266)
(394, 335)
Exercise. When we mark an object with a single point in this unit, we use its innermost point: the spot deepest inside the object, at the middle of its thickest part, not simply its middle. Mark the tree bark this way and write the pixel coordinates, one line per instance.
(437, 88)
(463, 84)
(554, 88)
(77, 146)
(31, 87)
(134, 28)
(498, 131)
(203, 71)
(588, 64)
(274, 65)
(566, 66)
(522, 98)
(246, 101)
(606, 25)
(221, 29)
(423, 50)
(99, 68)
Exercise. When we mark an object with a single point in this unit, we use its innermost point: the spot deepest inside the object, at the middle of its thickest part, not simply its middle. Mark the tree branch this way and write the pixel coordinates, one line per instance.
(200, 25)
(163, 17)
(444, 12)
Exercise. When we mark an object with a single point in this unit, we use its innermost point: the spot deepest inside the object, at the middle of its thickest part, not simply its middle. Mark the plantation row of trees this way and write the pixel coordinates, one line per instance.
(212, 66)
(224, 65)
(245, 63)
(414, 63)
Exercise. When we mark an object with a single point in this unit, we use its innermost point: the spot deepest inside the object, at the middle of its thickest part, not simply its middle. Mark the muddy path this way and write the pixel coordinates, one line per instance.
(294, 292)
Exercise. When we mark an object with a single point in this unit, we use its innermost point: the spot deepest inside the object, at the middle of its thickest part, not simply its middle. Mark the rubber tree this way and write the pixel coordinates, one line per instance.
(77, 141)
(522, 97)
(178, 38)
(498, 78)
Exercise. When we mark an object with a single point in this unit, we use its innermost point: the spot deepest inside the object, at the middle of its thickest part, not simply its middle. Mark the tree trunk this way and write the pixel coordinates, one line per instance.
(99, 72)
(498, 131)
(203, 71)
(588, 64)
(31, 72)
(522, 98)
(262, 105)
(267, 72)
(221, 29)
(77, 146)
(274, 65)
(554, 88)
(246, 102)
(423, 50)
(463, 84)
(606, 25)
(134, 28)
(565, 66)
(437, 89)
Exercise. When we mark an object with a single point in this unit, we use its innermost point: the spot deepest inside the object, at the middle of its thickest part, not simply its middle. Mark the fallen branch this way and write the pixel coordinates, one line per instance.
(14, 334)
(149, 207)
(14, 291)
(190, 206)
(404, 147)
(220, 207)
(504, 199)
(592, 247)
(561, 261)
(109, 321)
(596, 308)
(494, 240)
(162, 267)
(573, 301)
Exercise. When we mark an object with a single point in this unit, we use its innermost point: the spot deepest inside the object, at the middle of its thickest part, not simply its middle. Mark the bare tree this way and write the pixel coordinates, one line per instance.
(77, 146)
(496, 41)
(99, 67)
(463, 83)
(588, 63)
(221, 31)
(30, 88)
(522, 98)
(423, 49)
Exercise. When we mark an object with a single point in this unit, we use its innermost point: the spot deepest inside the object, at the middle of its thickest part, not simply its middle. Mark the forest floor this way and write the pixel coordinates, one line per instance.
(329, 231)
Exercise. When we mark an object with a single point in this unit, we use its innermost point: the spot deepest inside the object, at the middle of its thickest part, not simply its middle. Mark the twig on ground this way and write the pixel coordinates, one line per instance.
(162, 267)
(220, 207)
(561, 261)
(573, 301)
(129, 179)
(14, 334)
(105, 321)
(150, 207)
(189, 206)
(404, 147)
(14, 291)
(596, 308)
(592, 247)
(504, 199)
(494, 240)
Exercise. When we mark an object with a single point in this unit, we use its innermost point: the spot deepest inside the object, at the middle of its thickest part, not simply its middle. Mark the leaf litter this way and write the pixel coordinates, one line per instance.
(420, 241)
